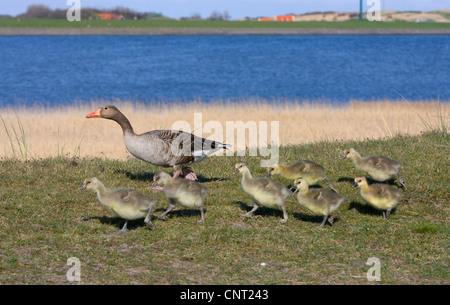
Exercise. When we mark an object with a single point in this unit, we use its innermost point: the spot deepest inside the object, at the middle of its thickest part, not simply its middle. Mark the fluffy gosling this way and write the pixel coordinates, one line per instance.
(188, 193)
(126, 203)
(265, 192)
(381, 196)
(379, 168)
(311, 172)
(319, 201)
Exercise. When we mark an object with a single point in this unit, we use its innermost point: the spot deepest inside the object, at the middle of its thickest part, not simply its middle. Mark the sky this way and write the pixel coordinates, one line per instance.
(235, 8)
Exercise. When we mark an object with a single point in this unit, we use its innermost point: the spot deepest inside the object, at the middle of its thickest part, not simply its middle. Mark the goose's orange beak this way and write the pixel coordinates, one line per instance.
(95, 114)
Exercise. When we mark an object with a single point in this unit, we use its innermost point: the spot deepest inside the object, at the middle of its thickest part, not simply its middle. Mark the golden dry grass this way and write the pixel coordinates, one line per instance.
(64, 131)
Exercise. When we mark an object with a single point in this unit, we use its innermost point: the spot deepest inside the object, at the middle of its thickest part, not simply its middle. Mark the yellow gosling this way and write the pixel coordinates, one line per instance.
(319, 201)
(308, 170)
(126, 203)
(381, 196)
(379, 168)
(265, 192)
(188, 193)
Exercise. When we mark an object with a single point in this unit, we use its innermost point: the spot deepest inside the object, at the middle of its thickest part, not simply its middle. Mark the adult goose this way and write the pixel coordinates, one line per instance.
(167, 148)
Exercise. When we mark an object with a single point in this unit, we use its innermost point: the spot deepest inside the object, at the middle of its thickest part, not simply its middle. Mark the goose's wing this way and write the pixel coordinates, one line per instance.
(376, 161)
(188, 148)
(318, 195)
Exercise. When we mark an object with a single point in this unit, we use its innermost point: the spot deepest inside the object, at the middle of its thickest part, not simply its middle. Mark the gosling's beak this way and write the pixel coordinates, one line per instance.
(82, 187)
(268, 174)
(294, 187)
(236, 171)
(355, 184)
(94, 114)
(343, 156)
(154, 183)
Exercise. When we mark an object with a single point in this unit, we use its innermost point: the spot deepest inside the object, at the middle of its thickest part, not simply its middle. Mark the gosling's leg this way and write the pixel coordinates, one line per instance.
(401, 180)
(249, 214)
(163, 215)
(147, 220)
(189, 174)
(384, 215)
(285, 216)
(124, 228)
(331, 220)
(201, 221)
(388, 213)
(325, 218)
(331, 184)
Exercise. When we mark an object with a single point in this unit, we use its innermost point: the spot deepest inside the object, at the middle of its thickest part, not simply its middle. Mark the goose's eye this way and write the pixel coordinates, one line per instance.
(87, 182)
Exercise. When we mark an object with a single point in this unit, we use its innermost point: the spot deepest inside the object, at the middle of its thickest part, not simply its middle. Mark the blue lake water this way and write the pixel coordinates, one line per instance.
(62, 69)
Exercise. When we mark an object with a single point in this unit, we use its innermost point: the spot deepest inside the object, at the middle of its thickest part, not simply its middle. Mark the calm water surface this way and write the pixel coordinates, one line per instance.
(63, 69)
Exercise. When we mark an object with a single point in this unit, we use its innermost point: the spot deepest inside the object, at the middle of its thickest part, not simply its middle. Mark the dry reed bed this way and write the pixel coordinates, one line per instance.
(64, 131)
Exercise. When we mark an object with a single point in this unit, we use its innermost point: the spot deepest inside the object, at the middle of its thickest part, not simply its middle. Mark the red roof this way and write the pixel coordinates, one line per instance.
(109, 16)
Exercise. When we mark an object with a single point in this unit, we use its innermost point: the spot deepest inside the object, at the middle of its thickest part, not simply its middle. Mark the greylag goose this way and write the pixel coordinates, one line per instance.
(379, 168)
(381, 196)
(265, 192)
(126, 203)
(188, 193)
(318, 200)
(167, 148)
(308, 170)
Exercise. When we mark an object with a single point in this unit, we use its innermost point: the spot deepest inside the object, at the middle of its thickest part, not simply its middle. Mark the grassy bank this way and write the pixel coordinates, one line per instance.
(144, 27)
(352, 24)
(44, 220)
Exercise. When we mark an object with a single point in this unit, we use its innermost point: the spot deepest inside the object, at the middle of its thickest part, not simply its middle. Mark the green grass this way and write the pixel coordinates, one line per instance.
(352, 24)
(45, 219)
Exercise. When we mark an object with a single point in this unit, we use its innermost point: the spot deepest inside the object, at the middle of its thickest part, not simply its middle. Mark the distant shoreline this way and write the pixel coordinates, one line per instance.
(213, 31)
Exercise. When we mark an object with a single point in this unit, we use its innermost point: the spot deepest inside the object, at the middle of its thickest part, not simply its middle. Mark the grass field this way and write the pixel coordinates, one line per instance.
(352, 24)
(45, 219)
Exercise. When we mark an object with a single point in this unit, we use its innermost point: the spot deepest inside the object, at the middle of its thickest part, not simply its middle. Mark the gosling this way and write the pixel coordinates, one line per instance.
(188, 193)
(265, 192)
(381, 196)
(126, 203)
(308, 170)
(377, 167)
(319, 201)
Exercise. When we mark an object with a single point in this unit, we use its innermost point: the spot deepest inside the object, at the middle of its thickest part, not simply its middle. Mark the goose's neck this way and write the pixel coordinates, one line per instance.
(101, 192)
(124, 123)
(356, 158)
(246, 175)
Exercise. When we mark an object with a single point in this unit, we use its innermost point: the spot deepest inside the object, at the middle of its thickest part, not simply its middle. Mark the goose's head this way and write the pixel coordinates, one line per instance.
(348, 153)
(299, 184)
(360, 181)
(90, 183)
(105, 112)
(273, 170)
(161, 178)
(240, 168)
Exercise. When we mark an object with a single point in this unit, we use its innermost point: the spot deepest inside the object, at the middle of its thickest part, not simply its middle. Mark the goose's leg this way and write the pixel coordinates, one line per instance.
(331, 220)
(201, 221)
(249, 214)
(388, 213)
(189, 173)
(163, 215)
(176, 174)
(147, 220)
(124, 228)
(285, 216)
(325, 218)
(331, 185)
(401, 180)
(384, 215)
